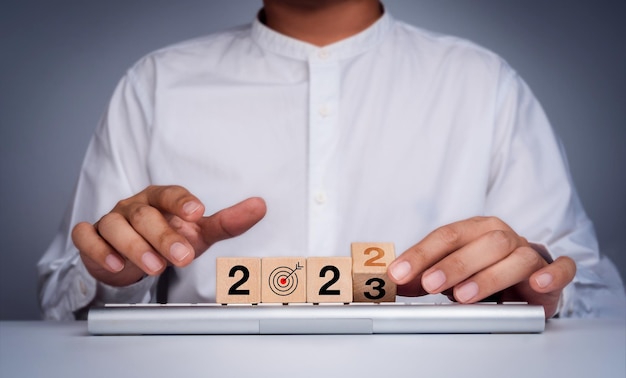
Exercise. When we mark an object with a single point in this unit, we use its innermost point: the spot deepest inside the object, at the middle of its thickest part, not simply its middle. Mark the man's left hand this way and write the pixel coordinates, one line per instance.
(473, 259)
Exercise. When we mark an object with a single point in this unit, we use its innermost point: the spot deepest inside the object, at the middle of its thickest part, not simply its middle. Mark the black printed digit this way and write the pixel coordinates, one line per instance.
(335, 277)
(379, 289)
(235, 290)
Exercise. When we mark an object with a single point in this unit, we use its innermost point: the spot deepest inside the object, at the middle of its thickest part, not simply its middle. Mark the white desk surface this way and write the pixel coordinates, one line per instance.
(567, 348)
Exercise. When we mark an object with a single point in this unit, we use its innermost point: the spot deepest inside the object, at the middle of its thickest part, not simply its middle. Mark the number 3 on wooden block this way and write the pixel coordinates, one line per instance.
(238, 280)
(369, 272)
(329, 279)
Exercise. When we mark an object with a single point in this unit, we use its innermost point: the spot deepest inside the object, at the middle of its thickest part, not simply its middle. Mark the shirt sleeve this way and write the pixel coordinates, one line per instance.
(114, 168)
(531, 189)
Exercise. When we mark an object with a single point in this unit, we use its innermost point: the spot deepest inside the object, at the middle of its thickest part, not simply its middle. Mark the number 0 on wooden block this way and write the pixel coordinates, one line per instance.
(238, 280)
(369, 272)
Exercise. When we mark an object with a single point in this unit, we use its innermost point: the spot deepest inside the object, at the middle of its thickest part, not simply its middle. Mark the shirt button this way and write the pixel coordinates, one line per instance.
(323, 54)
(83, 287)
(324, 110)
(320, 198)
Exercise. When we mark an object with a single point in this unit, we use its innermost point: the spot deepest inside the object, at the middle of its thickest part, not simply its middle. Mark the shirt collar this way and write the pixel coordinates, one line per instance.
(281, 44)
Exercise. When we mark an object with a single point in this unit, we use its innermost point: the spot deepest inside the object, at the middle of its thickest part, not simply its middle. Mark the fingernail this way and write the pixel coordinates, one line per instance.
(151, 262)
(467, 292)
(114, 263)
(178, 251)
(543, 280)
(433, 281)
(400, 270)
(191, 207)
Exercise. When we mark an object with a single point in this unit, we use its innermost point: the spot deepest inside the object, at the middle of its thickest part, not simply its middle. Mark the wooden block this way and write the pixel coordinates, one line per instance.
(238, 280)
(329, 279)
(369, 272)
(283, 280)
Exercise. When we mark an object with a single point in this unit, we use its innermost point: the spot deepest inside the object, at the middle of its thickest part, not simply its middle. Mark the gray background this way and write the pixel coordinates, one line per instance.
(60, 60)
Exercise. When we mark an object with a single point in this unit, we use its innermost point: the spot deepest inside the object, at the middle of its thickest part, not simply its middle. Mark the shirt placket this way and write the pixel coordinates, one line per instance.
(324, 80)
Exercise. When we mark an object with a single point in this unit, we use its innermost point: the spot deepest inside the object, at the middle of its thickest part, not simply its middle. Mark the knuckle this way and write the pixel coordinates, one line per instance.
(152, 191)
(180, 195)
(109, 219)
(123, 204)
(172, 196)
(418, 256)
(140, 213)
(165, 239)
(573, 266)
(159, 190)
(81, 232)
(567, 266)
(529, 257)
(457, 266)
(171, 190)
(501, 239)
(493, 223)
(478, 219)
(96, 250)
(450, 235)
(141, 197)
(177, 188)
(495, 281)
(80, 229)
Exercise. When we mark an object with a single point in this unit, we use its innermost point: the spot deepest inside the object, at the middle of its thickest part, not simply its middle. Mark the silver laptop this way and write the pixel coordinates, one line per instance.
(308, 318)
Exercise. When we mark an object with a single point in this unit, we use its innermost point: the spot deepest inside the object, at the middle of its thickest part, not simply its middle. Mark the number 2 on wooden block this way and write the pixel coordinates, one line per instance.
(238, 280)
(329, 279)
(335, 275)
(234, 289)
(379, 254)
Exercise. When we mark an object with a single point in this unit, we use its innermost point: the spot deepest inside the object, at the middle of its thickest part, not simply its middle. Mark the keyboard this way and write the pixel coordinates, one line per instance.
(308, 318)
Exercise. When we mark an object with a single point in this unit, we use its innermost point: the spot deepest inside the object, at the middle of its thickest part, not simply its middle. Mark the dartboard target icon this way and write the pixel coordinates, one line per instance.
(283, 280)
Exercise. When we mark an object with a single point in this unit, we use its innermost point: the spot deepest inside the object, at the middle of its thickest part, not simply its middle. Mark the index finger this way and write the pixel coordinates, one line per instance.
(438, 244)
(232, 221)
(175, 199)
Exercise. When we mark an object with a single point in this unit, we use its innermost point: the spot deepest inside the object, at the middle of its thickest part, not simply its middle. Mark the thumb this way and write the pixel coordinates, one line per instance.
(232, 221)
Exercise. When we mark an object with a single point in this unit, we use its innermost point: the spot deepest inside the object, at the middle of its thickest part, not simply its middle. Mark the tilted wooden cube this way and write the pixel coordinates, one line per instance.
(370, 282)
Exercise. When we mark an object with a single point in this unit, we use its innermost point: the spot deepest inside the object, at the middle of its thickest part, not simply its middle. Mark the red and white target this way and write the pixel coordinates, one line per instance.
(283, 281)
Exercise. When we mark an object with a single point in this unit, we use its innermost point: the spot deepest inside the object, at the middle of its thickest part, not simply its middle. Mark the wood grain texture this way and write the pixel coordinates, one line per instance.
(370, 282)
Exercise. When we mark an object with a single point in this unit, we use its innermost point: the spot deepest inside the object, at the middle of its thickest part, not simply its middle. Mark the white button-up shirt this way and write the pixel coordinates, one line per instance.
(383, 136)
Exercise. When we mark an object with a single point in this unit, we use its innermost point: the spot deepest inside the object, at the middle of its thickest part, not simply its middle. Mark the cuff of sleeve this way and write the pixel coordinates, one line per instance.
(89, 292)
(138, 292)
(72, 289)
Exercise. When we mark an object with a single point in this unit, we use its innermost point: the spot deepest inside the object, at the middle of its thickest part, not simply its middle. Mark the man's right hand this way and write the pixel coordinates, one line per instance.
(160, 225)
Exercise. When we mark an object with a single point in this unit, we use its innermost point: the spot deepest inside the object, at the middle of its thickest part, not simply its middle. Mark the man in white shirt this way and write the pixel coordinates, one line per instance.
(339, 124)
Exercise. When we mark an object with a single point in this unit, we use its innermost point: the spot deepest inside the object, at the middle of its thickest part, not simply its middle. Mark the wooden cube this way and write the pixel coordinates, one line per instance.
(283, 280)
(369, 272)
(238, 280)
(329, 279)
